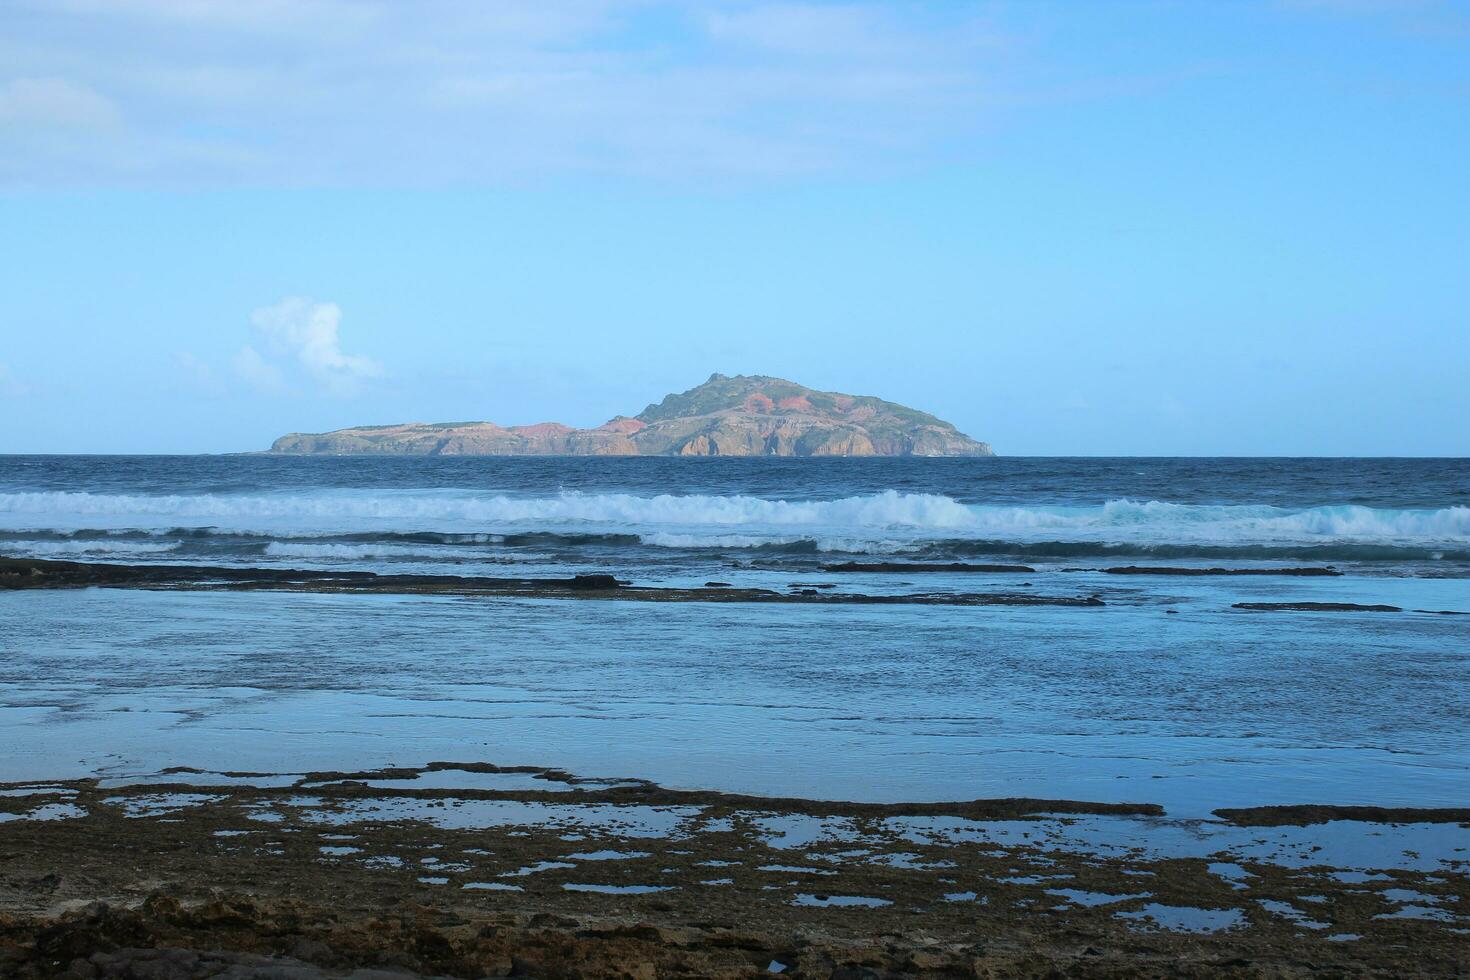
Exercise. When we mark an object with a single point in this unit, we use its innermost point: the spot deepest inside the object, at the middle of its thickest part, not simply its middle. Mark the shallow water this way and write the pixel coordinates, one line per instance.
(1166, 694)
(839, 901)
(1212, 708)
(1180, 918)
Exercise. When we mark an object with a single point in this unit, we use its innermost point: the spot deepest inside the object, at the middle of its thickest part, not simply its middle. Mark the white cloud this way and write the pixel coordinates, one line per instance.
(300, 335)
(52, 127)
(330, 92)
(256, 371)
(54, 102)
(196, 373)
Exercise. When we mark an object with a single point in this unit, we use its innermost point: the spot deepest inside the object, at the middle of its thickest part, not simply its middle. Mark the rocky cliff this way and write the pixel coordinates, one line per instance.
(741, 416)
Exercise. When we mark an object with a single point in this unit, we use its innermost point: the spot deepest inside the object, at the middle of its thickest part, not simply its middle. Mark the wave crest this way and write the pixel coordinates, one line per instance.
(872, 522)
(101, 547)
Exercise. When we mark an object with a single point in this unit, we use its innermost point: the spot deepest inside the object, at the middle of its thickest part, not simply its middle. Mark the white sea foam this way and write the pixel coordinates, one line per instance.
(294, 549)
(665, 539)
(737, 520)
(43, 549)
(424, 509)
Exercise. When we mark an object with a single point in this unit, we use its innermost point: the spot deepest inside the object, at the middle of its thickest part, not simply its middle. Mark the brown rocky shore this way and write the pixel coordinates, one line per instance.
(470, 870)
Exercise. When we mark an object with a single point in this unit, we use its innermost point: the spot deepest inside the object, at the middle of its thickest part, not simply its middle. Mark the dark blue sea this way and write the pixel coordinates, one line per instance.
(1166, 693)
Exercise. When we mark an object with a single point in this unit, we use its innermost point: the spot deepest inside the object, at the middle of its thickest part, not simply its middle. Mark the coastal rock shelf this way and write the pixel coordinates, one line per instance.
(1183, 570)
(34, 573)
(317, 874)
(28, 573)
(1317, 607)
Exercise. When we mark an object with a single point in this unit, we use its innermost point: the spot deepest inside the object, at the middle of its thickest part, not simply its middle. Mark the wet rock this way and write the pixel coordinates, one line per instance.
(859, 973)
(1314, 607)
(585, 582)
(311, 950)
(1308, 572)
(904, 566)
(28, 573)
(1306, 814)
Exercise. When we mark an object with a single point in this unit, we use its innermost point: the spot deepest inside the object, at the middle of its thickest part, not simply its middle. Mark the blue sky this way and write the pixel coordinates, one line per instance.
(1094, 228)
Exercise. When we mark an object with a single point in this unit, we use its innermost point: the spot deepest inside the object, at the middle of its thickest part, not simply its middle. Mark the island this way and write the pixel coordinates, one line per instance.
(745, 415)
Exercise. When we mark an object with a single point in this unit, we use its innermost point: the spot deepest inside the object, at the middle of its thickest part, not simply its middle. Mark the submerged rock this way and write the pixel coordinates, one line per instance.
(914, 566)
(1314, 607)
(1324, 571)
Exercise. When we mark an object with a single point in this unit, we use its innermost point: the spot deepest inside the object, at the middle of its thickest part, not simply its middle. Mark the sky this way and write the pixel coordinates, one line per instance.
(1097, 228)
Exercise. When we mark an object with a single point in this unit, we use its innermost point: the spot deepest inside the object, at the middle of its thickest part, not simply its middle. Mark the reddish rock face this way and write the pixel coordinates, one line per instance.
(759, 404)
(622, 425)
(740, 416)
(542, 430)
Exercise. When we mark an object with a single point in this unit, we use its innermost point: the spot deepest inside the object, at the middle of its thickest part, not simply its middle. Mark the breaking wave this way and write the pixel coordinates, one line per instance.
(341, 552)
(366, 524)
(97, 547)
(888, 508)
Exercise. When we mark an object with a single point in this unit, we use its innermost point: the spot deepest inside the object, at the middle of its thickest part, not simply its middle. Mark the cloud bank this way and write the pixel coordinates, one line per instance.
(340, 92)
(296, 345)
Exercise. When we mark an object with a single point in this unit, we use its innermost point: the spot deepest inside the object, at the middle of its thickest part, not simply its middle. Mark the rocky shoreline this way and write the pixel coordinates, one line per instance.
(32, 573)
(35, 573)
(472, 870)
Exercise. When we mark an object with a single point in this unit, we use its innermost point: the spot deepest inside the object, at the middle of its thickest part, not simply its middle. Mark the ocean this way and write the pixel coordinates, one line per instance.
(1166, 692)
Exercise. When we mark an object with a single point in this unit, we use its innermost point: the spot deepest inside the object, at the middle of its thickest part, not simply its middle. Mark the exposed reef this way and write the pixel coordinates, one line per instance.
(914, 566)
(1312, 571)
(34, 573)
(1305, 815)
(1316, 607)
(518, 871)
